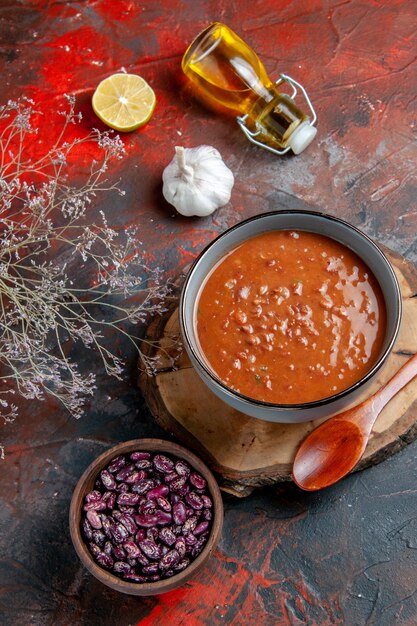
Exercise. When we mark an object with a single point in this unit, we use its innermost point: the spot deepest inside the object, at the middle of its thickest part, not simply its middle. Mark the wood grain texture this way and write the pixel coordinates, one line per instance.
(247, 452)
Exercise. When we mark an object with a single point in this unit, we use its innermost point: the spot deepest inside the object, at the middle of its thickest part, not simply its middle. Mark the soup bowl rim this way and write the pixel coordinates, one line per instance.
(219, 384)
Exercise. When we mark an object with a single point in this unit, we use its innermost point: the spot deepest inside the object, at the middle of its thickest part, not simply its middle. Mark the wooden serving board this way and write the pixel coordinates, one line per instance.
(246, 452)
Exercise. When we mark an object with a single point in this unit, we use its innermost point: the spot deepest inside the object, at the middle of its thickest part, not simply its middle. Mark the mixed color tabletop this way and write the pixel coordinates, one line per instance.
(344, 556)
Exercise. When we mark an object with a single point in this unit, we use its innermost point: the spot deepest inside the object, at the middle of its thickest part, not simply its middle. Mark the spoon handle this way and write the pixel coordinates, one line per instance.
(406, 373)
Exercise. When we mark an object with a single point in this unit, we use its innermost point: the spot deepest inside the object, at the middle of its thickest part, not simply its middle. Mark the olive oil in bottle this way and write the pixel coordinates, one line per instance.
(229, 75)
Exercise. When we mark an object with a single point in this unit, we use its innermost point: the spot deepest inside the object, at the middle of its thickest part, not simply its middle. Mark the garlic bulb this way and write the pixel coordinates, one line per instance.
(197, 181)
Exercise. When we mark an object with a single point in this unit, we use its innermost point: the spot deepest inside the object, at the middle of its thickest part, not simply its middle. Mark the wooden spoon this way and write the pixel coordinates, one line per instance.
(331, 450)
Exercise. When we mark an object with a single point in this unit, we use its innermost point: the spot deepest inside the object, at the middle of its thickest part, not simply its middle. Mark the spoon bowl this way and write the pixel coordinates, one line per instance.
(330, 452)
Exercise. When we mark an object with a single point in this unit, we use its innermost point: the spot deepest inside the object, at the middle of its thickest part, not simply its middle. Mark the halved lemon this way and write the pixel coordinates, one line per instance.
(124, 101)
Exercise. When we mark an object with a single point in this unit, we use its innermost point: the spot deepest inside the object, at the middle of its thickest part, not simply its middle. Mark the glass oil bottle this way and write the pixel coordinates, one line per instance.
(229, 75)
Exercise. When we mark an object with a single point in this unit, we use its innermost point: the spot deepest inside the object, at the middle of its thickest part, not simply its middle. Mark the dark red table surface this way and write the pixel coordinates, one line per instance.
(347, 555)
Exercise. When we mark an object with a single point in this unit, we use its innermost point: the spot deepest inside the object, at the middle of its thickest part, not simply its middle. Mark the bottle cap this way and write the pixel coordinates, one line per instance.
(302, 137)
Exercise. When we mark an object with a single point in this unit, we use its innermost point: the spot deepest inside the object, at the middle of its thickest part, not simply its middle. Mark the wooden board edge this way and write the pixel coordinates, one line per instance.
(238, 482)
(407, 268)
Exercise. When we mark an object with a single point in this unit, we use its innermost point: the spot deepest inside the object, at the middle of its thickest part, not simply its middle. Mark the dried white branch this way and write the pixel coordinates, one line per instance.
(40, 306)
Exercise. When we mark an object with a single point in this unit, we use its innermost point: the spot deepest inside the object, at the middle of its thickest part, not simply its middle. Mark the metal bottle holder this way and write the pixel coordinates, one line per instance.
(241, 120)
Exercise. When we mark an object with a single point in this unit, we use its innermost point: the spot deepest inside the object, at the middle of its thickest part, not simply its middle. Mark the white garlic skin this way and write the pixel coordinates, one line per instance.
(197, 181)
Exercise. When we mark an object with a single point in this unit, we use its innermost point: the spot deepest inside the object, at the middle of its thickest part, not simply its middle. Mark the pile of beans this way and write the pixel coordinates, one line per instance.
(148, 517)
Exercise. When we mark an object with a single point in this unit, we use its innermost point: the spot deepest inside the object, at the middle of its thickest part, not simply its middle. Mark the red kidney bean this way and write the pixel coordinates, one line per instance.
(182, 468)
(108, 548)
(106, 523)
(194, 500)
(201, 528)
(94, 549)
(94, 519)
(163, 463)
(134, 477)
(140, 456)
(117, 464)
(207, 514)
(147, 507)
(160, 490)
(190, 539)
(144, 464)
(182, 491)
(92, 496)
(152, 568)
(177, 483)
(119, 553)
(163, 504)
(144, 485)
(98, 505)
(87, 530)
(119, 532)
(131, 548)
(167, 536)
(181, 546)
(124, 472)
(104, 560)
(111, 501)
(189, 525)
(150, 549)
(152, 533)
(99, 537)
(142, 559)
(132, 561)
(163, 518)
(108, 480)
(135, 578)
(128, 499)
(140, 535)
(147, 521)
(122, 488)
(128, 522)
(131, 510)
(197, 548)
(179, 513)
(157, 476)
(168, 478)
(207, 501)
(120, 567)
(169, 559)
(181, 565)
(198, 481)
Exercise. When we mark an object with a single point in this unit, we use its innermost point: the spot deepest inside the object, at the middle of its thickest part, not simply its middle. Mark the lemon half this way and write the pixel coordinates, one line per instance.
(124, 101)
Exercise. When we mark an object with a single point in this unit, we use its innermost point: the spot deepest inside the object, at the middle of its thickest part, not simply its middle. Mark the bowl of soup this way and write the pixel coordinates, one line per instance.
(289, 315)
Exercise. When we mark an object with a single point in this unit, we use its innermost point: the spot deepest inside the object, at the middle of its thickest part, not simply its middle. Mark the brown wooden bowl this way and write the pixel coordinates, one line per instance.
(86, 484)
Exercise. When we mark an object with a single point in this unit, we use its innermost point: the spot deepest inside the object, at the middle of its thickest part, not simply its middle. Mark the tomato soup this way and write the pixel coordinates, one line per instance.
(290, 317)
